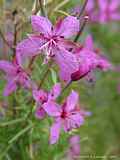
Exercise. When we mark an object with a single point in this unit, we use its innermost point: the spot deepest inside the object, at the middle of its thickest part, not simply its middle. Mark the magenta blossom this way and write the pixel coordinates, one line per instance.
(15, 76)
(41, 97)
(90, 5)
(52, 41)
(74, 149)
(109, 10)
(67, 116)
(91, 10)
(89, 60)
(100, 62)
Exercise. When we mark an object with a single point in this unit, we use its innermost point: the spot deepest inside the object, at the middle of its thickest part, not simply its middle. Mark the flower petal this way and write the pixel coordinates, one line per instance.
(29, 48)
(9, 88)
(81, 73)
(39, 96)
(66, 125)
(89, 43)
(114, 4)
(67, 63)
(55, 91)
(40, 113)
(36, 95)
(104, 64)
(76, 120)
(72, 101)
(74, 140)
(66, 44)
(115, 16)
(103, 4)
(88, 59)
(55, 132)
(41, 25)
(52, 108)
(67, 27)
(90, 5)
(27, 83)
(102, 18)
(7, 67)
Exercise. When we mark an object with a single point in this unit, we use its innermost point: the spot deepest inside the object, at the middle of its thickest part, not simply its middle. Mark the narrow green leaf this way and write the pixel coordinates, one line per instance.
(12, 122)
(20, 134)
(54, 76)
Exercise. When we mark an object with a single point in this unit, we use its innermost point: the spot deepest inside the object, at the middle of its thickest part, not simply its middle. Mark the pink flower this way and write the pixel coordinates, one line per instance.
(52, 40)
(41, 97)
(89, 60)
(67, 66)
(91, 10)
(90, 5)
(66, 116)
(109, 10)
(100, 62)
(74, 149)
(15, 76)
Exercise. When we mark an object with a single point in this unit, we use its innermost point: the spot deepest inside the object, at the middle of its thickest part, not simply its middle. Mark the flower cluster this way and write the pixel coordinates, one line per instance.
(75, 61)
(102, 11)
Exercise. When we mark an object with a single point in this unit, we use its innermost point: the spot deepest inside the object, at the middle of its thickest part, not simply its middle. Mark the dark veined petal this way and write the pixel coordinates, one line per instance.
(67, 27)
(41, 25)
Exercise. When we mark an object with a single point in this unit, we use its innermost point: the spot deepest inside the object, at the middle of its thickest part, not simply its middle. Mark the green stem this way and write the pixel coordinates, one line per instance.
(5, 41)
(3, 154)
(83, 8)
(31, 63)
(45, 75)
(63, 90)
(66, 87)
(15, 40)
(20, 134)
(12, 122)
(81, 29)
(42, 8)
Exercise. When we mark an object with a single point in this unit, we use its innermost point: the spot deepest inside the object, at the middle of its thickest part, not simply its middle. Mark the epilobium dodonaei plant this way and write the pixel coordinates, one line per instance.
(56, 46)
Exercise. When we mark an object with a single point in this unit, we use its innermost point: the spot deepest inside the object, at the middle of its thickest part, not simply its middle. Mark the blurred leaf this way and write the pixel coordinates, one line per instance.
(54, 76)
(1, 2)
(20, 133)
